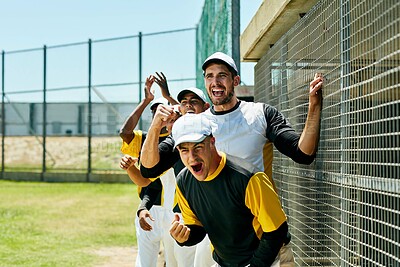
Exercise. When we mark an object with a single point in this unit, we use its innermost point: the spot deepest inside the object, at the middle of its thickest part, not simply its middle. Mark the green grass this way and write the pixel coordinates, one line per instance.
(61, 224)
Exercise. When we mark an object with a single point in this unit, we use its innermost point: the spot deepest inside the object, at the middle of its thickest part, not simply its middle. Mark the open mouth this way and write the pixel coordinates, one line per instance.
(218, 92)
(197, 167)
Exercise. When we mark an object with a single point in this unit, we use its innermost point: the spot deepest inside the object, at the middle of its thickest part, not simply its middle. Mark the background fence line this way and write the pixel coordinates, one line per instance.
(81, 105)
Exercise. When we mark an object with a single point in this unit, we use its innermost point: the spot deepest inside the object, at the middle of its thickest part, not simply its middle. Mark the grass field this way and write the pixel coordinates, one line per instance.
(61, 224)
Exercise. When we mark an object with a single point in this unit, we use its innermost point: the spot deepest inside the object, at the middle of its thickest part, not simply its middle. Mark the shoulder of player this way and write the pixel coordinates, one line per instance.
(183, 176)
(241, 166)
(254, 106)
(167, 143)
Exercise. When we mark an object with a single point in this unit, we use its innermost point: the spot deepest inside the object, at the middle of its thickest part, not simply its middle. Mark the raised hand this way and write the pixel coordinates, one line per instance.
(127, 161)
(161, 80)
(315, 92)
(148, 93)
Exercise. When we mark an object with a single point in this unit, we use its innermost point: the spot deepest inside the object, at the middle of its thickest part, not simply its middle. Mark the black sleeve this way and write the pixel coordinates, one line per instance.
(150, 195)
(288, 144)
(168, 157)
(285, 139)
(276, 123)
(197, 234)
(269, 246)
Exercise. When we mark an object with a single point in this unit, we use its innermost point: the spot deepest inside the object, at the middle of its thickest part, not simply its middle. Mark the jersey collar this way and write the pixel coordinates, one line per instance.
(219, 169)
(212, 110)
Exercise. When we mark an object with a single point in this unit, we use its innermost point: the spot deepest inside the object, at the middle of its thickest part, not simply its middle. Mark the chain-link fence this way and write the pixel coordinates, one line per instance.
(62, 105)
(344, 210)
(218, 30)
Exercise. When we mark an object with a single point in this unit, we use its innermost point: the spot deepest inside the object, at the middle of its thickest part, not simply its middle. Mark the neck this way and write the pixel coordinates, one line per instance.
(227, 106)
(215, 161)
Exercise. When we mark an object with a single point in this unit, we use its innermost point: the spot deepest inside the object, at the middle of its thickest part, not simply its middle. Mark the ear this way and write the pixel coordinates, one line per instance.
(212, 140)
(206, 106)
(236, 80)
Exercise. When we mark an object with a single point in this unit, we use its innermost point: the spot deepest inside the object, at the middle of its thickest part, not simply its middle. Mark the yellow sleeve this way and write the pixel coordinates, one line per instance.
(264, 203)
(187, 214)
(133, 148)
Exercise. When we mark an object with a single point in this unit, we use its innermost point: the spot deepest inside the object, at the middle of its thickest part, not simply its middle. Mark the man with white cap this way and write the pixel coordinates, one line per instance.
(247, 129)
(244, 129)
(257, 125)
(239, 210)
(192, 100)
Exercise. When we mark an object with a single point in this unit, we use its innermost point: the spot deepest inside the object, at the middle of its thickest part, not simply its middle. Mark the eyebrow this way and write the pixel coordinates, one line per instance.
(180, 146)
(190, 98)
(221, 72)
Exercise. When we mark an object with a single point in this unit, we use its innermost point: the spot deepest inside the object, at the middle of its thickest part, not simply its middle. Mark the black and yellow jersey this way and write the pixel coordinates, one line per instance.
(133, 149)
(235, 207)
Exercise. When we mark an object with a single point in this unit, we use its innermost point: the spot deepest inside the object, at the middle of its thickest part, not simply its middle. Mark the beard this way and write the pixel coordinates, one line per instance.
(223, 101)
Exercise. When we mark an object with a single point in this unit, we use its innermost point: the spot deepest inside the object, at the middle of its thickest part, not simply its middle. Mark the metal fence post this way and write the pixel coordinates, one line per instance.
(140, 77)
(89, 167)
(344, 85)
(3, 117)
(235, 16)
(44, 133)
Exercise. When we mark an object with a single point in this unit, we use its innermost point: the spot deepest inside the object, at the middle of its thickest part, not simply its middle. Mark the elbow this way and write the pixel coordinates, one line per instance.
(305, 161)
(139, 180)
(303, 158)
(121, 132)
(127, 138)
(145, 172)
(143, 183)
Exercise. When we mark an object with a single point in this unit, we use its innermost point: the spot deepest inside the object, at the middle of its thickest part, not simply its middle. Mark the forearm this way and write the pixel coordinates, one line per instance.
(133, 119)
(150, 155)
(136, 177)
(148, 199)
(309, 138)
(171, 100)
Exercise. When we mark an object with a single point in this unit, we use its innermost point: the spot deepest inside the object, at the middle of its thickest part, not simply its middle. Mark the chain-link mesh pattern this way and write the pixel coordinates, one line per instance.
(344, 210)
(214, 33)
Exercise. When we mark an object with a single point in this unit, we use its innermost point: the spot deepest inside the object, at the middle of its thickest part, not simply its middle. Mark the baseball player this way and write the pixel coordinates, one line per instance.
(218, 195)
(245, 129)
(192, 100)
(149, 241)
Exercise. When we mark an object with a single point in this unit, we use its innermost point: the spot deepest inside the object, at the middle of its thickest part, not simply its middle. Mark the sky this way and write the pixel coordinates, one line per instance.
(29, 24)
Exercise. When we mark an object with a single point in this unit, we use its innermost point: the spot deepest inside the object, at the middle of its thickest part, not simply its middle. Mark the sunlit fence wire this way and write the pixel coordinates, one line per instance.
(344, 210)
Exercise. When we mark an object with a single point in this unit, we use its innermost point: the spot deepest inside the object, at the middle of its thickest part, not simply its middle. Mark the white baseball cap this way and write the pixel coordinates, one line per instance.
(160, 100)
(191, 128)
(220, 57)
(193, 90)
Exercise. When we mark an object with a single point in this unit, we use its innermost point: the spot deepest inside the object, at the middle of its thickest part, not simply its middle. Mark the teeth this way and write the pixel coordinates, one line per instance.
(218, 92)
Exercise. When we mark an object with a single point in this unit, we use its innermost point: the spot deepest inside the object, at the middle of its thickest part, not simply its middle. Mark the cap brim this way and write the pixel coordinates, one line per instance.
(191, 138)
(185, 91)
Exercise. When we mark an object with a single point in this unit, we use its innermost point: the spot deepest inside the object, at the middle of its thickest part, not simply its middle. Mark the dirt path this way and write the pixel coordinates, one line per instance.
(121, 257)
